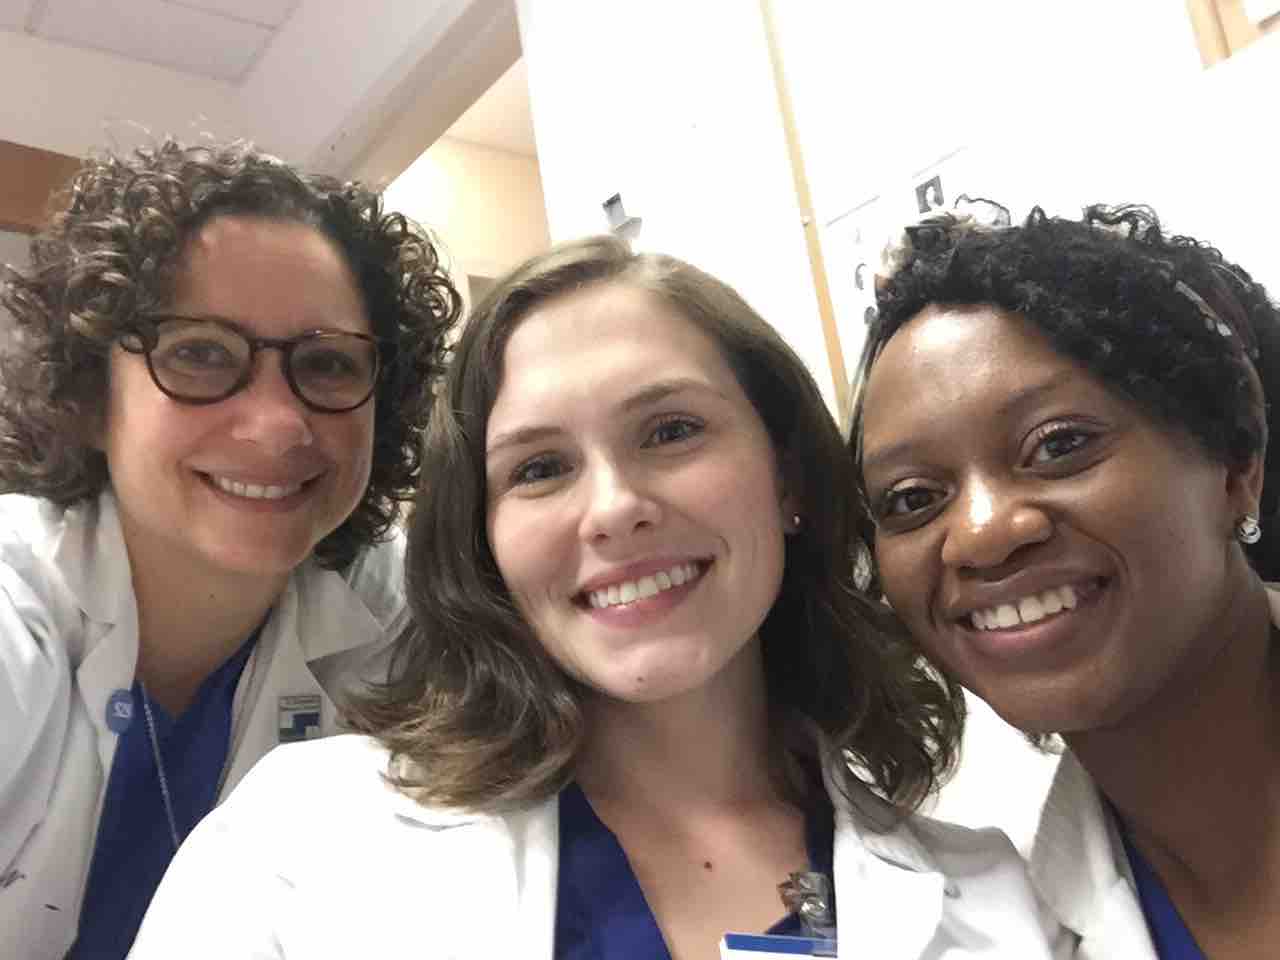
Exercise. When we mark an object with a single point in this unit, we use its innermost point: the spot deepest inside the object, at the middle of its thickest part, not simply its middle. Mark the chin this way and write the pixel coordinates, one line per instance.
(271, 562)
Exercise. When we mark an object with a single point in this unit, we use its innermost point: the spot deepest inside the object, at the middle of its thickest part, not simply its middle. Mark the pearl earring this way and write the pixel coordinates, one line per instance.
(1248, 530)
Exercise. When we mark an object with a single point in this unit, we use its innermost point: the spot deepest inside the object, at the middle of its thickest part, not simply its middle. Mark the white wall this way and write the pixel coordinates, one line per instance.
(672, 104)
(486, 205)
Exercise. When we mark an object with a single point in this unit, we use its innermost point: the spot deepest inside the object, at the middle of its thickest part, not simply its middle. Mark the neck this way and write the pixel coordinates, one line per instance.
(707, 747)
(189, 625)
(1193, 773)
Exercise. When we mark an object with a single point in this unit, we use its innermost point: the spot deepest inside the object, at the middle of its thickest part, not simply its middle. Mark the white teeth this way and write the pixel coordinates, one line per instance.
(1029, 609)
(650, 586)
(255, 491)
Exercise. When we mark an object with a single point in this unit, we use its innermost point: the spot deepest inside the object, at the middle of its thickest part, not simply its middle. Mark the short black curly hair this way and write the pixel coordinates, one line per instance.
(1165, 321)
(108, 257)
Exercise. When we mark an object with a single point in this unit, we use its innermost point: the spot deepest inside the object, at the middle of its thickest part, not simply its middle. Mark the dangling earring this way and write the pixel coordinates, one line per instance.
(1248, 530)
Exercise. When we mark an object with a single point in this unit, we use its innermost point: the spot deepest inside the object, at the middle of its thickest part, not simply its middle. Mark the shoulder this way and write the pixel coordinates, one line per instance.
(27, 522)
(369, 589)
(32, 588)
(314, 777)
(376, 576)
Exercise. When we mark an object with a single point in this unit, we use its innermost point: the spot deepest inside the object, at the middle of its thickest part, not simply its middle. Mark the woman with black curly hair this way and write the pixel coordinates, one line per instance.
(1063, 439)
(645, 692)
(211, 412)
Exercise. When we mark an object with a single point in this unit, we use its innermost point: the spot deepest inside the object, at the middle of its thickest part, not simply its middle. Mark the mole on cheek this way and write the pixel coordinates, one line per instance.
(706, 864)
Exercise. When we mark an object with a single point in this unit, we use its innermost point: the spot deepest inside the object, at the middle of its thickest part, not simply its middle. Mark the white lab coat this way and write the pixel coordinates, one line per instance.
(1081, 870)
(69, 638)
(316, 857)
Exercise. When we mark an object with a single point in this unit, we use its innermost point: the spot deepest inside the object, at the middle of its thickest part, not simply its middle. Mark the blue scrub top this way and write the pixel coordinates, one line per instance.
(1173, 941)
(134, 845)
(601, 912)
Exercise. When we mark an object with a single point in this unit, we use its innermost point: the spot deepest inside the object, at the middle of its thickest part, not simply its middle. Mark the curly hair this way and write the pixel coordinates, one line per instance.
(1164, 321)
(480, 711)
(108, 257)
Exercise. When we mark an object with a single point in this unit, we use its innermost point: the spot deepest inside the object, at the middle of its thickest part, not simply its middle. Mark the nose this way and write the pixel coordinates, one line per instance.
(617, 505)
(989, 525)
(268, 413)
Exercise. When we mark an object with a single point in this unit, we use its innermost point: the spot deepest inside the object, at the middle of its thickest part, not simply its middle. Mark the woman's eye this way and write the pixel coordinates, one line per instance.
(199, 353)
(907, 500)
(537, 470)
(1056, 442)
(673, 430)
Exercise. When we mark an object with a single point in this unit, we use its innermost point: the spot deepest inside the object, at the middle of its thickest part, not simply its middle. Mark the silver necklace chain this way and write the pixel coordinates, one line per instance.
(155, 749)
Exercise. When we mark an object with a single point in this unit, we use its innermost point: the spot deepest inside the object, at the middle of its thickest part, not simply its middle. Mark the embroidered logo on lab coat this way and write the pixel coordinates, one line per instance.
(299, 717)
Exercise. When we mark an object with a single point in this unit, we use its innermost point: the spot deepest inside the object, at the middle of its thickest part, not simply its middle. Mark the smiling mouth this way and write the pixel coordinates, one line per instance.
(255, 491)
(1035, 607)
(627, 592)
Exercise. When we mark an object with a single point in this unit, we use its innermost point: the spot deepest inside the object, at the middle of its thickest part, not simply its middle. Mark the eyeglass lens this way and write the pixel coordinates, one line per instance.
(201, 360)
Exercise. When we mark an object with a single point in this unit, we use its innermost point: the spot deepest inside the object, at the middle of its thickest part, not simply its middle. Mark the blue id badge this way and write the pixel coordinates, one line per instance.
(764, 946)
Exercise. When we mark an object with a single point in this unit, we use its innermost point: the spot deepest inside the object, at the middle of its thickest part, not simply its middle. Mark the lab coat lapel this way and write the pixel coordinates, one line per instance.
(503, 892)
(1080, 870)
(888, 893)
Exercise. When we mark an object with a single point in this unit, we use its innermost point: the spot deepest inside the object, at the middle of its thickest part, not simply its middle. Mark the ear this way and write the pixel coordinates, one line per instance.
(790, 503)
(1244, 486)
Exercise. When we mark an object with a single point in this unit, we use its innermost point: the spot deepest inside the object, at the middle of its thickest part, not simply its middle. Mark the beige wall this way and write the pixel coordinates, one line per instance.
(486, 205)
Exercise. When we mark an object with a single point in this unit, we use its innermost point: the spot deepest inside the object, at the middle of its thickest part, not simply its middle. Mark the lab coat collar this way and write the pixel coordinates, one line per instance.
(873, 824)
(89, 551)
(1078, 858)
(879, 864)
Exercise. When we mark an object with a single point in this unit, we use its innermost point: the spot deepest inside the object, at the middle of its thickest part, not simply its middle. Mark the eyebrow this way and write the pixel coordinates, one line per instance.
(652, 394)
(1012, 405)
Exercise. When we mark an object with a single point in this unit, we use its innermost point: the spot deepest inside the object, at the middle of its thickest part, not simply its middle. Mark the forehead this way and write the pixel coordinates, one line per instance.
(959, 366)
(247, 268)
(591, 344)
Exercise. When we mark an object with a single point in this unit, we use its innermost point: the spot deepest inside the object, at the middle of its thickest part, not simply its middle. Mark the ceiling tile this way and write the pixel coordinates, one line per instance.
(267, 13)
(159, 32)
(13, 13)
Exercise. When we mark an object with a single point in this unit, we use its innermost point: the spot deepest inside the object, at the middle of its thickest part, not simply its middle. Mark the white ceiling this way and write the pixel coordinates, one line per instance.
(351, 87)
(500, 118)
(220, 39)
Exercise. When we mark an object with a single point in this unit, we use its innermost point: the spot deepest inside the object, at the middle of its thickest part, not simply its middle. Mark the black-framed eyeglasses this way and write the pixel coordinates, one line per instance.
(203, 360)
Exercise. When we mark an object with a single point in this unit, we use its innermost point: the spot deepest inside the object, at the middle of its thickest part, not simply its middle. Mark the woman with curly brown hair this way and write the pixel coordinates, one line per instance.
(1066, 448)
(211, 411)
(644, 691)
